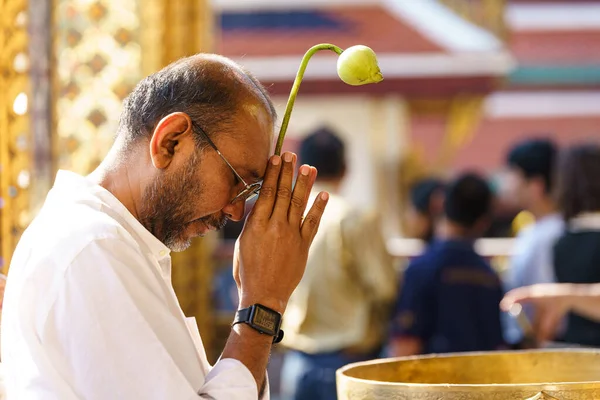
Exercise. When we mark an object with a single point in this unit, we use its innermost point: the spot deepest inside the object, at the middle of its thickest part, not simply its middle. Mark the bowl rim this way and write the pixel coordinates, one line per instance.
(547, 386)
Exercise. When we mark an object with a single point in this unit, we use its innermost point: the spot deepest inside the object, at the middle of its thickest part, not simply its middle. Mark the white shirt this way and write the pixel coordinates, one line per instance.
(532, 262)
(90, 312)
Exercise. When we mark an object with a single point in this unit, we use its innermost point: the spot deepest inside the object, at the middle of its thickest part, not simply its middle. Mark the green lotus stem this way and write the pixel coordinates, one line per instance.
(296, 87)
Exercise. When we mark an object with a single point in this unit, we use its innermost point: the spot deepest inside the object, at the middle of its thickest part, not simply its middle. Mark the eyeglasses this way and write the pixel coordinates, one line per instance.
(249, 191)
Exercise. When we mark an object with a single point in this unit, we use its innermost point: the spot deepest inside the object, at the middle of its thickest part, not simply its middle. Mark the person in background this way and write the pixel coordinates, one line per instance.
(340, 310)
(450, 295)
(530, 183)
(577, 252)
(425, 208)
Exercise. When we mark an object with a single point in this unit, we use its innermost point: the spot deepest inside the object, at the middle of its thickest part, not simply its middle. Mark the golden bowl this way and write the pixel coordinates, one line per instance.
(519, 375)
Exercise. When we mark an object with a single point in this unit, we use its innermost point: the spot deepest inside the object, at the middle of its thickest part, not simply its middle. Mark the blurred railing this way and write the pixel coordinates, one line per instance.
(493, 247)
(488, 14)
(497, 250)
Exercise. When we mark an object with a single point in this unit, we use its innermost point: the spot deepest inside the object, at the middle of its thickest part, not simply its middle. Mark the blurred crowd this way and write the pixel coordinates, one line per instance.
(356, 303)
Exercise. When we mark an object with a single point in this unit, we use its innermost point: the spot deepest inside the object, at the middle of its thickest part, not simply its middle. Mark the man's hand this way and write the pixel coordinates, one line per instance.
(273, 248)
(551, 301)
(271, 254)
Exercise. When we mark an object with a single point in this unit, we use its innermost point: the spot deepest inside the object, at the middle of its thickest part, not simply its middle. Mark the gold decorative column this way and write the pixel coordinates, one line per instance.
(174, 29)
(15, 143)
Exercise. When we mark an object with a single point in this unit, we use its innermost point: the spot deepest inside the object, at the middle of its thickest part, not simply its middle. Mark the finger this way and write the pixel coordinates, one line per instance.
(519, 295)
(266, 198)
(299, 196)
(236, 264)
(312, 177)
(310, 225)
(284, 187)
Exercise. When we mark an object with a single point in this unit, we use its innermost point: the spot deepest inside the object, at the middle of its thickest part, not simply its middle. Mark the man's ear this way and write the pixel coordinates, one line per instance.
(168, 136)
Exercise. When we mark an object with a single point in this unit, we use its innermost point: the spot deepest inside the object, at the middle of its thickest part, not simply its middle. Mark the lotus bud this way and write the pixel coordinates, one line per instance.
(357, 65)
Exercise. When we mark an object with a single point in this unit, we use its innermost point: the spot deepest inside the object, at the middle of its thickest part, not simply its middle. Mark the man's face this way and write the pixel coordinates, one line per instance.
(419, 225)
(193, 195)
(517, 188)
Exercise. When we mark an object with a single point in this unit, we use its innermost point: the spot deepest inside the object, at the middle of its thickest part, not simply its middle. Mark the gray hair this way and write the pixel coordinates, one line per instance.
(209, 88)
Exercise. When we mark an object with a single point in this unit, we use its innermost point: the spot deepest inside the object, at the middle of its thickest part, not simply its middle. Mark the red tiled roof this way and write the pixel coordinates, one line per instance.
(556, 48)
(414, 87)
(495, 136)
(372, 26)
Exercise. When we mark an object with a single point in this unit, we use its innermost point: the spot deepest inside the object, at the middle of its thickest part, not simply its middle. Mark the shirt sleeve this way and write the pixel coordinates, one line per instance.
(414, 313)
(533, 264)
(230, 379)
(112, 336)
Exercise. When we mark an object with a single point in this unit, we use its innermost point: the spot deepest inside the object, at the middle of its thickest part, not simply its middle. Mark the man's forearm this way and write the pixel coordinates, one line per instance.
(585, 300)
(251, 348)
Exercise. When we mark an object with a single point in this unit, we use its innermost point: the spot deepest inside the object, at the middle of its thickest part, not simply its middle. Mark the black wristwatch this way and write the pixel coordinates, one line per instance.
(263, 319)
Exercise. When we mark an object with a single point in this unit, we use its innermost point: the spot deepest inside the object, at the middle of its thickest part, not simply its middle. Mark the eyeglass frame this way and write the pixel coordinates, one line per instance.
(250, 190)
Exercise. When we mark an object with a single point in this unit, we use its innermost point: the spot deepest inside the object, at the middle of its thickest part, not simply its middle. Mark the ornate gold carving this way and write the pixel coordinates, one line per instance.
(542, 396)
(97, 62)
(15, 154)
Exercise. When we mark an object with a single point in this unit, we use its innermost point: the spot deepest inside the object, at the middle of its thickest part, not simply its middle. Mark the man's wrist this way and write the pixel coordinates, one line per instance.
(270, 302)
(246, 331)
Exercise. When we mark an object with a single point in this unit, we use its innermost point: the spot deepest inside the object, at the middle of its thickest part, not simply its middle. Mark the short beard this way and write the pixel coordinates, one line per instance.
(167, 208)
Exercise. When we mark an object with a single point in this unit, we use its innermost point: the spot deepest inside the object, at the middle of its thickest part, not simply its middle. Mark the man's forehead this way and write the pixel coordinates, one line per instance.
(249, 152)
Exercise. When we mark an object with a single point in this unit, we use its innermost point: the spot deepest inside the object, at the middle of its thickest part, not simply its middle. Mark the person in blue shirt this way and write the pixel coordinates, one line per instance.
(450, 296)
(529, 182)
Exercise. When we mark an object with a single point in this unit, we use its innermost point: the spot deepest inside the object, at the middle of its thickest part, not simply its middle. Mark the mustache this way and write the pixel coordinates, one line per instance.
(213, 221)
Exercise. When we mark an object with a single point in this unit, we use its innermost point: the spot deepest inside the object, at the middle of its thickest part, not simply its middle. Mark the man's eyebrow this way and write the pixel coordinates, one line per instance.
(255, 175)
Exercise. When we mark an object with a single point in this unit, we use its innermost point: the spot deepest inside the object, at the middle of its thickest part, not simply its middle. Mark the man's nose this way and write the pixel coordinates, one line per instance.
(235, 211)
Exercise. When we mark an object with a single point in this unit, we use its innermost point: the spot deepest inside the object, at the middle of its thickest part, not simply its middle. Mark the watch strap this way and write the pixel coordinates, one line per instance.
(243, 316)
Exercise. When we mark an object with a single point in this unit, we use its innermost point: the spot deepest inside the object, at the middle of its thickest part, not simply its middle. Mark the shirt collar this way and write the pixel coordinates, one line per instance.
(550, 218)
(589, 221)
(66, 180)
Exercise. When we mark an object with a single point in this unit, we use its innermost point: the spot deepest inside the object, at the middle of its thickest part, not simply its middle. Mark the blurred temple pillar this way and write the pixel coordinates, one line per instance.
(15, 138)
(389, 140)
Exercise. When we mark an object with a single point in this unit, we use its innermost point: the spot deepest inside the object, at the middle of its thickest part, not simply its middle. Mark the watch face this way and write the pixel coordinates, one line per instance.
(266, 320)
